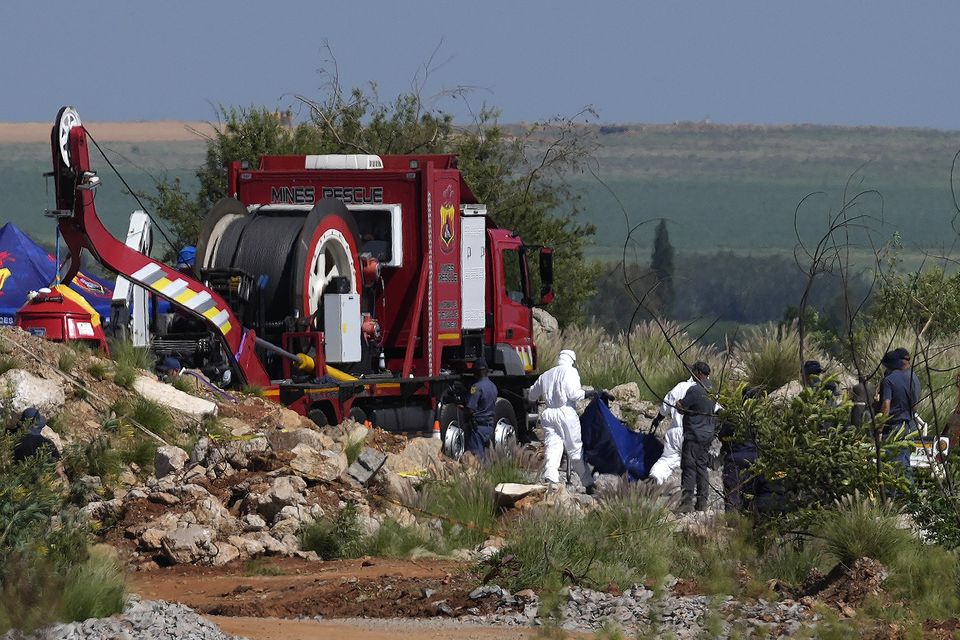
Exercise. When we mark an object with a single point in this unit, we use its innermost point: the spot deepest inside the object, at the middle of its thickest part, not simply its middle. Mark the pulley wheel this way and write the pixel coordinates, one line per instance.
(223, 214)
(326, 249)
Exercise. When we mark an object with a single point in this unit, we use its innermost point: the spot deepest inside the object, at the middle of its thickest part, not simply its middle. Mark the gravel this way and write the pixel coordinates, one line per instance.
(641, 610)
(141, 620)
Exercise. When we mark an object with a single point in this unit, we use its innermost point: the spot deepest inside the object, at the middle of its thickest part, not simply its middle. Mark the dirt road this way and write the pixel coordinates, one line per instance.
(370, 599)
(393, 629)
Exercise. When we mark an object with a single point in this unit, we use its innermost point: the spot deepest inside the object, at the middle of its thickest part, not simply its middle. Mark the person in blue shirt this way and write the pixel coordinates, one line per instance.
(483, 399)
(899, 394)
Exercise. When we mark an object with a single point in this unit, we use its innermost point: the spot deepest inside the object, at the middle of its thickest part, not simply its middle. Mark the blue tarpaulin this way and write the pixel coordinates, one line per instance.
(610, 447)
(26, 266)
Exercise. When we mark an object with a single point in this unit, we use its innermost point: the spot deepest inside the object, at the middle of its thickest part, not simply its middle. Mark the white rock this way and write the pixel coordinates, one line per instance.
(169, 460)
(171, 397)
(152, 539)
(507, 493)
(21, 389)
(253, 522)
(418, 455)
(247, 546)
(225, 553)
(288, 439)
(187, 545)
(544, 322)
(318, 465)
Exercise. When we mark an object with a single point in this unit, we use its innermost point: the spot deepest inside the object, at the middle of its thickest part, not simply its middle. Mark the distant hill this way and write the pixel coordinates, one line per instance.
(721, 186)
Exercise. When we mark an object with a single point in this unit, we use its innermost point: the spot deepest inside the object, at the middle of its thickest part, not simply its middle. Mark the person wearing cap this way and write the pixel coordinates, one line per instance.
(186, 258)
(812, 370)
(739, 452)
(899, 395)
(28, 431)
(481, 404)
(669, 460)
(699, 412)
(561, 390)
(168, 368)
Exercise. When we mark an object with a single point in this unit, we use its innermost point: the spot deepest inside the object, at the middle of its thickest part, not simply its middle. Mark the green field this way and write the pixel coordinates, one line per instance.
(25, 193)
(737, 187)
(722, 187)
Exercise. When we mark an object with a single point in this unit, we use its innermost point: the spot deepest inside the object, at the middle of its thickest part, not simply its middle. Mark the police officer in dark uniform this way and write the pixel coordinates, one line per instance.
(483, 399)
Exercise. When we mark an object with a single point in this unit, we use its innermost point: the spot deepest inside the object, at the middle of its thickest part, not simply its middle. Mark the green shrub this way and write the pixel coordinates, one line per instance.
(394, 541)
(624, 541)
(261, 567)
(6, 364)
(353, 449)
(98, 371)
(67, 361)
(94, 589)
(863, 528)
(153, 416)
(466, 501)
(182, 384)
(128, 356)
(336, 538)
(97, 458)
(771, 356)
(29, 593)
(141, 451)
(124, 376)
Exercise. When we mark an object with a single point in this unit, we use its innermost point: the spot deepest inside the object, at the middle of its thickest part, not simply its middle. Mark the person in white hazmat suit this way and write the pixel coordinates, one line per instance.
(669, 460)
(560, 389)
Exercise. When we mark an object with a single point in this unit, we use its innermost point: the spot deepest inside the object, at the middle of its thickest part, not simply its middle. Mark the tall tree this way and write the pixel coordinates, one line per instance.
(519, 174)
(661, 263)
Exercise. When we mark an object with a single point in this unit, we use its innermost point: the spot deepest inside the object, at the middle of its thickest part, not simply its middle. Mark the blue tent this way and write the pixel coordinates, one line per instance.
(610, 447)
(26, 266)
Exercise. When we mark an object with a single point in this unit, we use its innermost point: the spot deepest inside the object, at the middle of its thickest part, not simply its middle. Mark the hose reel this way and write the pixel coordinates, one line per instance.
(295, 253)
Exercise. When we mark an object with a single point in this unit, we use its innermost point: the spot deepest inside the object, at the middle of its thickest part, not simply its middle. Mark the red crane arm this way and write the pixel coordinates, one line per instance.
(82, 228)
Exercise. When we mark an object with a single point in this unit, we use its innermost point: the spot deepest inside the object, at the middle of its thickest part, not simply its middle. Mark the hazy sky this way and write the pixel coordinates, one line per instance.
(881, 62)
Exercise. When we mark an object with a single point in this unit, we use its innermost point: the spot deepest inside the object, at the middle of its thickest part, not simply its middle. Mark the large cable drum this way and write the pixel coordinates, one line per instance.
(294, 253)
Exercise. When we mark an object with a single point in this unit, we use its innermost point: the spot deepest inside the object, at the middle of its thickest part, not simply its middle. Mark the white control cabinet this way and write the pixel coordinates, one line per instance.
(473, 259)
(341, 327)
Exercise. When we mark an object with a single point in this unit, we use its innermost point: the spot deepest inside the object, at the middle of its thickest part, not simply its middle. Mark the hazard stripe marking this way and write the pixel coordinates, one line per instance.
(175, 288)
(186, 296)
(147, 274)
(220, 318)
(201, 298)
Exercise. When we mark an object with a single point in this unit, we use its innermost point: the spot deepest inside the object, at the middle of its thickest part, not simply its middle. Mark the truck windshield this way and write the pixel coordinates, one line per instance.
(513, 275)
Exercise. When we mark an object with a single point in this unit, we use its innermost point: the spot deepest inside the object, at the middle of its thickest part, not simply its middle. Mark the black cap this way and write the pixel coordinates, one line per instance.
(891, 360)
(811, 367)
(701, 367)
(902, 353)
(480, 364)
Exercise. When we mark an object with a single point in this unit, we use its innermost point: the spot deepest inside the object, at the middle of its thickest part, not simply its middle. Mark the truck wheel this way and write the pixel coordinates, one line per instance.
(451, 433)
(358, 415)
(505, 425)
(319, 417)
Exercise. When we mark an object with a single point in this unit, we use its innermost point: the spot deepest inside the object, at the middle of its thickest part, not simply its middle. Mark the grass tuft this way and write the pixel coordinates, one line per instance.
(96, 588)
(6, 364)
(863, 528)
(67, 361)
(335, 538)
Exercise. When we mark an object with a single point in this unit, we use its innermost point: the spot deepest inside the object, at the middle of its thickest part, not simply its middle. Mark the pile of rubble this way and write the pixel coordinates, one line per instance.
(140, 620)
(643, 611)
(250, 492)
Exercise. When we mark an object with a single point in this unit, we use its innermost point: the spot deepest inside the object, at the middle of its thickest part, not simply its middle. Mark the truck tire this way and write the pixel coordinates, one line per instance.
(505, 425)
(319, 417)
(358, 415)
(452, 437)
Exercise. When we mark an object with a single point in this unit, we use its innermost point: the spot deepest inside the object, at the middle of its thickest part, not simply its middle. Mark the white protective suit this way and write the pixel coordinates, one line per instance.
(560, 388)
(673, 439)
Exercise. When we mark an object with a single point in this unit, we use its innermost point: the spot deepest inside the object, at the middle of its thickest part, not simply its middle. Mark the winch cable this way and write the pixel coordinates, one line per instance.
(156, 224)
(264, 245)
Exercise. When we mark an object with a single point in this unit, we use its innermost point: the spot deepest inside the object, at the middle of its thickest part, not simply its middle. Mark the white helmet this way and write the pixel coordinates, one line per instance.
(567, 357)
